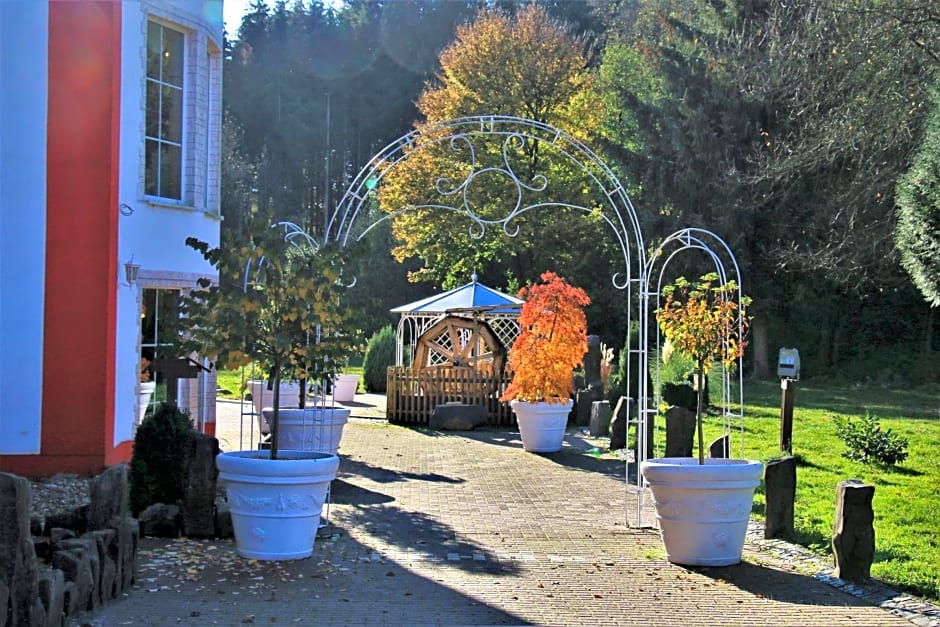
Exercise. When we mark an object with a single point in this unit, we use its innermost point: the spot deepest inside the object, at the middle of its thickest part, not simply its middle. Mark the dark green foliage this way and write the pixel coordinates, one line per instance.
(868, 444)
(918, 199)
(158, 465)
(681, 394)
(380, 354)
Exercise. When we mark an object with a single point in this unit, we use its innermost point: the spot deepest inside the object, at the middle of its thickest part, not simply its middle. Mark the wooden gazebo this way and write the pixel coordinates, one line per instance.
(455, 347)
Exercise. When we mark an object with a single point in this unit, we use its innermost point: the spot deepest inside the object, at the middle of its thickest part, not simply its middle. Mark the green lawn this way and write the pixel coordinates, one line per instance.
(907, 497)
(230, 381)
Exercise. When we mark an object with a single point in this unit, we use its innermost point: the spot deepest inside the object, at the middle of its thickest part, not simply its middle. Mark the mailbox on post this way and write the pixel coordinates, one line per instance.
(788, 364)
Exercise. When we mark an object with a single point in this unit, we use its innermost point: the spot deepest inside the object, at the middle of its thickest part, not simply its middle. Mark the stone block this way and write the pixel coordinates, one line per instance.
(583, 403)
(160, 521)
(720, 448)
(106, 543)
(128, 538)
(780, 491)
(600, 419)
(457, 417)
(76, 567)
(200, 490)
(70, 598)
(109, 498)
(4, 601)
(52, 595)
(853, 533)
(75, 519)
(18, 565)
(618, 423)
(87, 548)
(680, 430)
(223, 519)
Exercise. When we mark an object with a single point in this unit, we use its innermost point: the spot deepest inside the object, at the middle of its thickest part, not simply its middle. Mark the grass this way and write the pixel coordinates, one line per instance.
(230, 381)
(907, 497)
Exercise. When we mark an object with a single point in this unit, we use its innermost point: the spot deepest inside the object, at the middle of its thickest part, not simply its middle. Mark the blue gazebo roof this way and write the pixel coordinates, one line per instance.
(470, 296)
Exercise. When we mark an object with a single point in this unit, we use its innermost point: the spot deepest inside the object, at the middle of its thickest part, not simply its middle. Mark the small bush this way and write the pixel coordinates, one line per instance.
(868, 444)
(158, 466)
(380, 355)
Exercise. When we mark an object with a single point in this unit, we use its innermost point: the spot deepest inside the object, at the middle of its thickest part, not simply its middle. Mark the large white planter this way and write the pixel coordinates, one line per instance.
(262, 397)
(275, 504)
(344, 387)
(145, 393)
(312, 429)
(702, 511)
(542, 425)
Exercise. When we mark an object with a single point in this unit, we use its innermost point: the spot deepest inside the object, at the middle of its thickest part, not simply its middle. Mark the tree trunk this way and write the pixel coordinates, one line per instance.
(700, 370)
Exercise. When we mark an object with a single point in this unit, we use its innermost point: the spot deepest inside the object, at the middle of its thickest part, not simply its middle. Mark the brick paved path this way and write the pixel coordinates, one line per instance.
(468, 529)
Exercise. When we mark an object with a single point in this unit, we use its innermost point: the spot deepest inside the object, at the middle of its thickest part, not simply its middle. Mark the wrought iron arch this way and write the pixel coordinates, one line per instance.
(461, 135)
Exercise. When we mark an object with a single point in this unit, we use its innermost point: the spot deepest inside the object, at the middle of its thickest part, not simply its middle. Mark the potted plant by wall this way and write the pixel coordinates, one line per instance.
(277, 304)
(551, 344)
(703, 505)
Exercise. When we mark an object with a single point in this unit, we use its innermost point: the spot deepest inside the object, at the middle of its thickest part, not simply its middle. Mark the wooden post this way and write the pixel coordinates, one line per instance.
(788, 395)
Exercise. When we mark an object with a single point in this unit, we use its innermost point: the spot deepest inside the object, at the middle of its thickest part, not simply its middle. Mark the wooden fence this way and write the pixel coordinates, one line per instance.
(413, 395)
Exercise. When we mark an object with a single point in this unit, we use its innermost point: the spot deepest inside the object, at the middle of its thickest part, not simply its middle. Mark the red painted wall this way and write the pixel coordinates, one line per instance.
(81, 247)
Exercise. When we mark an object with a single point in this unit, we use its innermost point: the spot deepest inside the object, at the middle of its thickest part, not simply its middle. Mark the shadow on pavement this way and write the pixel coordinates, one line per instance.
(384, 475)
(779, 585)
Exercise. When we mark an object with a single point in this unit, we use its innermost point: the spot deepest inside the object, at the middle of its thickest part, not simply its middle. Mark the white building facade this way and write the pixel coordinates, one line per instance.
(110, 127)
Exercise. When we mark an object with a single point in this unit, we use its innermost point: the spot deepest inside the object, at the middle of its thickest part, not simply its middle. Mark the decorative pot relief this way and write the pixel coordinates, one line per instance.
(279, 503)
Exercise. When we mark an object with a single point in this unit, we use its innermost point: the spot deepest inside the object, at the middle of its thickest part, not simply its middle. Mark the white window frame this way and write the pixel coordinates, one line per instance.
(184, 88)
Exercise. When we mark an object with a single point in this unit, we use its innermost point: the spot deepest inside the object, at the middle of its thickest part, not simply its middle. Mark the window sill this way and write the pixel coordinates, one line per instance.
(158, 203)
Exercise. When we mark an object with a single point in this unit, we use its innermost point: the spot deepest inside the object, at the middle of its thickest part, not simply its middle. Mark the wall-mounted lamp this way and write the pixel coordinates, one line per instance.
(131, 270)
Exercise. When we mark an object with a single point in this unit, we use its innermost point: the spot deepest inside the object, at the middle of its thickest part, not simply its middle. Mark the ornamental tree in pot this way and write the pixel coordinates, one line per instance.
(703, 506)
(277, 304)
(551, 344)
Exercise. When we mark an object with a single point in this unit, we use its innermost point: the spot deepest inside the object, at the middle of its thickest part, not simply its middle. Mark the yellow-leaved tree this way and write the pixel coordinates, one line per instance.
(706, 322)
(527, 65)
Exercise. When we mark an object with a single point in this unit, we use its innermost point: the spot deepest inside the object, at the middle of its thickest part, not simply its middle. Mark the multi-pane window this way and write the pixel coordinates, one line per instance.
(159, 306)
(164, 113)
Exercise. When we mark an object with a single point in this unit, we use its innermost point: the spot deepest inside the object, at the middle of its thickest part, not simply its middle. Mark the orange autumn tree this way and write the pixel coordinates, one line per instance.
(703, 321)
(552, 342)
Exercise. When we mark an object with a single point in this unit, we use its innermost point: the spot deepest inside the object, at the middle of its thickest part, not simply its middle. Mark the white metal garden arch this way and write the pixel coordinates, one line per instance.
(717, 254)
(462, 135)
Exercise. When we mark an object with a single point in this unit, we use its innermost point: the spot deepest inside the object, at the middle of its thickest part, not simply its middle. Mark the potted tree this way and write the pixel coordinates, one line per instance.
(551, 344)
(277, 304)
(703, 505)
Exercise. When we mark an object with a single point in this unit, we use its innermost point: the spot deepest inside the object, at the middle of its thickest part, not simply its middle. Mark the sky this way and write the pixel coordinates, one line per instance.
(232, 12)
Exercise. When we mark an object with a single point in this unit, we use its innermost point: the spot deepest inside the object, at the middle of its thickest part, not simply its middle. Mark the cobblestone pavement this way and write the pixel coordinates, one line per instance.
(443, 528)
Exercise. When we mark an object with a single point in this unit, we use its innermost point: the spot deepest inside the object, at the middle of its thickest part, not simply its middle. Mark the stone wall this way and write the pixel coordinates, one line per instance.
(69, 563)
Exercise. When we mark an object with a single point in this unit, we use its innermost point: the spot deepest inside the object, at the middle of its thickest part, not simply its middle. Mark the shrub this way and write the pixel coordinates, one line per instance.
(380, 355)
(868, 444)
(158, 466)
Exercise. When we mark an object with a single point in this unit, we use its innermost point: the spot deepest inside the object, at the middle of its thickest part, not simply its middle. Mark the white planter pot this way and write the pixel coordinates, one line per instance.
(542, 425)
(276, 504)
(316, 429)
(145, 393)
(262, 397)
(344, 387)
(702, 511)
